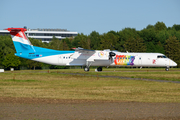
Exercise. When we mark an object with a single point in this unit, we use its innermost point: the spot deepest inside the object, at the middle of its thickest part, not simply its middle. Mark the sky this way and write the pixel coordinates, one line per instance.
(85, 16)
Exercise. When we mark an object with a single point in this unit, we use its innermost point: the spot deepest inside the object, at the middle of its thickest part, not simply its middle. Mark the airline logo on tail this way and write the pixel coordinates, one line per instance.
(20, 40)
(18, 35)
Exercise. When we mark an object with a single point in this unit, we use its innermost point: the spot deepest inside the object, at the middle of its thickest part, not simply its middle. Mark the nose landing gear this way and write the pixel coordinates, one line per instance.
(167, 69)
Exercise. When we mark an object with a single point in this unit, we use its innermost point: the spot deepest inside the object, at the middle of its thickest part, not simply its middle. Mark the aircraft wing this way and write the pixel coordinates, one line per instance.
(83, 50)
(90, 55)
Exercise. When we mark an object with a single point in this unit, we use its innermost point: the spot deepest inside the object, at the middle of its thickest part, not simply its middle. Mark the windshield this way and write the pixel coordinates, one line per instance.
(161, 56)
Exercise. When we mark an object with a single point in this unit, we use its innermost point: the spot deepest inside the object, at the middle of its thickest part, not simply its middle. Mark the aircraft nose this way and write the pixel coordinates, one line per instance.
(174, 63)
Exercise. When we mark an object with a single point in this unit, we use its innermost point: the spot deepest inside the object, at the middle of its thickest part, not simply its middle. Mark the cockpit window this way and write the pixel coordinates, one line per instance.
(161, 56)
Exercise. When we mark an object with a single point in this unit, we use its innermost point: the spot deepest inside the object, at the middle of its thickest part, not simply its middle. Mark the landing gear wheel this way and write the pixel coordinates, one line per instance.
(99, 69)
(86, 69)
(167, 69)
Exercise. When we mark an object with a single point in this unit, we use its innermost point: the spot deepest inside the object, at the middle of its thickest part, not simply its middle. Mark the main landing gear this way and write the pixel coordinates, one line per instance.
(88, 64)
(99, 69)
(86, 69)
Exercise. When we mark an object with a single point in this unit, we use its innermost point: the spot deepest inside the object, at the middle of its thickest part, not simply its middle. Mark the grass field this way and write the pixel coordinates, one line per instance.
(148, 73)
(41, 84)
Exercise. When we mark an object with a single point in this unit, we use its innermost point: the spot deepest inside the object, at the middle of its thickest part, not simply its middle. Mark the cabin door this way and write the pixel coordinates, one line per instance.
(60, 59)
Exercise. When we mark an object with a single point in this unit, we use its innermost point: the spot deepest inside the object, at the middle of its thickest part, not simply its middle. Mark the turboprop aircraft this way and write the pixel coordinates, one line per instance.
(83, 57)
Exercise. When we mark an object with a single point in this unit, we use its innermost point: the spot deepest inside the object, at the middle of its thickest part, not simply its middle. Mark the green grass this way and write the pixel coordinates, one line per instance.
(147, 73)
(40, 84)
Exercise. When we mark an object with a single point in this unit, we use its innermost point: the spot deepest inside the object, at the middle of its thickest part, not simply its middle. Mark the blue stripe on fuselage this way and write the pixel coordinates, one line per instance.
(40, 52)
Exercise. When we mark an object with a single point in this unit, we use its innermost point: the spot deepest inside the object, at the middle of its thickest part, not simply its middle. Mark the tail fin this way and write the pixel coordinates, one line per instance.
(20, 40)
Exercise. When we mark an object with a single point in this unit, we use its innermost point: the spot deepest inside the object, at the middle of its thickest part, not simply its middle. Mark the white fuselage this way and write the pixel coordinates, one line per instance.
(101, 58)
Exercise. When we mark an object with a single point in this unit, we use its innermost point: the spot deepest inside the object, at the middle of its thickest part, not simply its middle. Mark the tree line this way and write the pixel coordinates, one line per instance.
(156, 38)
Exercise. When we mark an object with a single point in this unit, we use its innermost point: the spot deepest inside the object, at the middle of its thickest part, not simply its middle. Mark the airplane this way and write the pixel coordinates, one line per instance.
(84, 57)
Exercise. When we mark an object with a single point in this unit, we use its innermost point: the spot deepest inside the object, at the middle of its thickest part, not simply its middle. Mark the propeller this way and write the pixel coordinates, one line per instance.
(111, 54)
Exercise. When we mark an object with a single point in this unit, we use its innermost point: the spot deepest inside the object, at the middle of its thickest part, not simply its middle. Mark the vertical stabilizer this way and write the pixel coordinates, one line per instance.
(20, 40)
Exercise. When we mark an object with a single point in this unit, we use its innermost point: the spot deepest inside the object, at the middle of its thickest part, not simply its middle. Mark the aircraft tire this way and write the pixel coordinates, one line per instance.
(167, 69)
(86, 69)
(99, 69)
